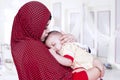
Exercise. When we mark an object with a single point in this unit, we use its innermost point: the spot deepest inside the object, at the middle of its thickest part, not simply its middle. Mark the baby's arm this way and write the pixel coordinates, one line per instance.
(62, 60)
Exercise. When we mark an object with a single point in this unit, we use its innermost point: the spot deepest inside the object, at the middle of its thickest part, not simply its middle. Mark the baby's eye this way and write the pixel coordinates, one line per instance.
(53, 44)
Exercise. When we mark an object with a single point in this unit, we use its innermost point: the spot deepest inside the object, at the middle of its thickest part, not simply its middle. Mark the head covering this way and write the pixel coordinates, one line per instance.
(31, 57)
(30, 21)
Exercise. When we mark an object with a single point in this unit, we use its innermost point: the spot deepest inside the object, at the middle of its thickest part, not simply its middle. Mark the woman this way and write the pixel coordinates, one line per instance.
(32, 59)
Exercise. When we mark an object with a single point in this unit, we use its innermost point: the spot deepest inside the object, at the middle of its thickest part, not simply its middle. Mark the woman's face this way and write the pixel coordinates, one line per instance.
(45, 32)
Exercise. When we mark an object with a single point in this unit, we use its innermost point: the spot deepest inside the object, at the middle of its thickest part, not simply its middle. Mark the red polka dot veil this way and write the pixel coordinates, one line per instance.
(31, 57)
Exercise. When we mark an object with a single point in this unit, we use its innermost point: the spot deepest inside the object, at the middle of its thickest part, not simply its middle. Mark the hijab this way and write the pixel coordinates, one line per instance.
(30, 22)
(31, 57)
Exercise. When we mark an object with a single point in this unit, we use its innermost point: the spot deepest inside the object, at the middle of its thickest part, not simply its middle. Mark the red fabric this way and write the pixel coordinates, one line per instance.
(31, 57)
(69, 57)
(79, 68)
(80, 76)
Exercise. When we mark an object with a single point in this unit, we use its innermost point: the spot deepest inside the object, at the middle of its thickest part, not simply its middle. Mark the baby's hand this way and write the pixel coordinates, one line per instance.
(52, 51)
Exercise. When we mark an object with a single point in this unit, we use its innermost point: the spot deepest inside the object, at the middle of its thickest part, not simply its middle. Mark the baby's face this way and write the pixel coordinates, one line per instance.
(54, 43)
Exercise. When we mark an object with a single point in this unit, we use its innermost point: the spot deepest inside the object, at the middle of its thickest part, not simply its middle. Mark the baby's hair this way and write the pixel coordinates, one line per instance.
(52, 33)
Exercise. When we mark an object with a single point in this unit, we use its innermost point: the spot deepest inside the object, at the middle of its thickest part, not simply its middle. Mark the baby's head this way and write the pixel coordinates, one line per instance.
(53, 40)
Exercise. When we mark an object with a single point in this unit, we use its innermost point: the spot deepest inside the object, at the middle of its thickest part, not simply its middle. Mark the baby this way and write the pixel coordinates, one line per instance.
(74, 55)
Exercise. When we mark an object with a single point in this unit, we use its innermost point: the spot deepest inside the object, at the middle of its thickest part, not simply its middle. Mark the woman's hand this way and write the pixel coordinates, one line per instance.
(67, 38)
(98, 64)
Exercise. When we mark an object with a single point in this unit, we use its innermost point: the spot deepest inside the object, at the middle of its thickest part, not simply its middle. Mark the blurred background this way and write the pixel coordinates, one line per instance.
(94, 23)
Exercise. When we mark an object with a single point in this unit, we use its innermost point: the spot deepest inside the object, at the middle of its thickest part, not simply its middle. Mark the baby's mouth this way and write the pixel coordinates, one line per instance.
(57, 51)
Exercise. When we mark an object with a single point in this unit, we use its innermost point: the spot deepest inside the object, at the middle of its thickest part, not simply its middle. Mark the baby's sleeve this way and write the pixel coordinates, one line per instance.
(67, 51)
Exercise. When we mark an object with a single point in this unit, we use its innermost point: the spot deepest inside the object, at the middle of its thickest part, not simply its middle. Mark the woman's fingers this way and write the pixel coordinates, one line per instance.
(103, 71)
(67, 38)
